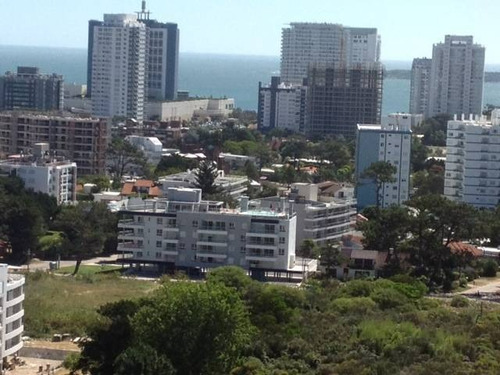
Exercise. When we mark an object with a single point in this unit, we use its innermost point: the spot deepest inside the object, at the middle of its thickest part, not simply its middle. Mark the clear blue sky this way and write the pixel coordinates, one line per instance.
(253, 27)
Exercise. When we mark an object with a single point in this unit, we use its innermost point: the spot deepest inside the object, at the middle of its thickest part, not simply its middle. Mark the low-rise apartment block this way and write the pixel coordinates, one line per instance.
(83, 140)
(44, 173)
(321, 219)
(235, 186)
(184, 231)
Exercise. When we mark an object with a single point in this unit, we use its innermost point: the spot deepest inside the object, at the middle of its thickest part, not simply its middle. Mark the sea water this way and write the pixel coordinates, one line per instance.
(234, 76)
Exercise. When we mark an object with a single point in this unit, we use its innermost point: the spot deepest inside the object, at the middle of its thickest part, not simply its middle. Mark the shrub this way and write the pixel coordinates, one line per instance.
(388, 298)
(359, 288)
(354, 305)
(489, 268)
(459, 301)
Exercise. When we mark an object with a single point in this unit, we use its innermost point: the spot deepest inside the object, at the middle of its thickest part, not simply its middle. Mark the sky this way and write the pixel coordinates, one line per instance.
(253, 27)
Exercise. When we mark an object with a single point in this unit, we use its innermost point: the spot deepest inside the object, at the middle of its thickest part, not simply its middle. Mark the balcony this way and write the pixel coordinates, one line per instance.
(130, 223)
(211, 254)
(212, 230)
(257, 255)
(129, 247)
(130, 236)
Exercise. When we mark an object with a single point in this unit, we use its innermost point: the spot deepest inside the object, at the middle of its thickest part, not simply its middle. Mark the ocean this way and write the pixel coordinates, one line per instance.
(235, 76)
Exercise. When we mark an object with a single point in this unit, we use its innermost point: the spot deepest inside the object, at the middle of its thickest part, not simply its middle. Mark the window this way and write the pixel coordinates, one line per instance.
(195, 223)
(182, 245)
(231, 225)
(193, 246)
(158, 243)
(159, 232)
(281, 251)
(159, 221)
(242, 250)
(139, 254)
(242, 238)
(282, 228)
(282, 239)
(158, 255)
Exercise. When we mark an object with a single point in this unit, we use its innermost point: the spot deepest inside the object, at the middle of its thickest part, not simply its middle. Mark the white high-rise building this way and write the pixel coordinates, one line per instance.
(420, 85)
(118, 67)
(390, 142)
(11, 313)
(472, 170)
(303, 44)
(282, 106)
(456, 82)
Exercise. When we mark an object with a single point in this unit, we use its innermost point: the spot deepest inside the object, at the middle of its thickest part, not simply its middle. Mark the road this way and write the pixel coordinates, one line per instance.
(41, 265)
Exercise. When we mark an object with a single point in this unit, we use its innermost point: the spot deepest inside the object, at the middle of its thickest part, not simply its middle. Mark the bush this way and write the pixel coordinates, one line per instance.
(359, 288)
(389, 298)
(489, 268)
(459, 301)
(354, 305)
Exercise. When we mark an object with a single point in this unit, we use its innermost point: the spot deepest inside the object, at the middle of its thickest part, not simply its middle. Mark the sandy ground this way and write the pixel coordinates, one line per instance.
(484, 286)
(32, 365)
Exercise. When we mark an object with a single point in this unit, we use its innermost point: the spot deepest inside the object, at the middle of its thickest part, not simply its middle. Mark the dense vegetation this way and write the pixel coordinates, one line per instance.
(233, 325)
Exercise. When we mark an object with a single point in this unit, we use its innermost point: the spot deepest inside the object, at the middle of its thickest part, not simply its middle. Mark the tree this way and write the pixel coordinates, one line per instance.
(86, 228)
(419, 154)
(331, 257)
(110, 338)
(307, 250)
(205, 178)
(123, 156)
(200, 328)
(251, 170)
(381, 172)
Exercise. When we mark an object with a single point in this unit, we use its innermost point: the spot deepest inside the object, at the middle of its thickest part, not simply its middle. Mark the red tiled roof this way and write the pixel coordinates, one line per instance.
(127, 188)
(460, 247)
(144, 183)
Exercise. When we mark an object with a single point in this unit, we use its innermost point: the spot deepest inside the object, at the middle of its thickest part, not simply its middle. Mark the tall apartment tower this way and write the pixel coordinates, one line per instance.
(340, 97)
(472, 169)
(390, 142)
(303, 44)
(162, 56)
(457, 72)
(28, 89)
(281, 106)
(420, 85)
(118, 67)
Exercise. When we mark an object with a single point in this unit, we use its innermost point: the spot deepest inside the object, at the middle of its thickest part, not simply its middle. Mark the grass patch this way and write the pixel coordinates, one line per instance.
(89, 270)
(65, 304)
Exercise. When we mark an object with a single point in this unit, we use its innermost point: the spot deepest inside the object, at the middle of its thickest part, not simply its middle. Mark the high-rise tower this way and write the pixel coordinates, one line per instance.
(118, 66)
(456, 84)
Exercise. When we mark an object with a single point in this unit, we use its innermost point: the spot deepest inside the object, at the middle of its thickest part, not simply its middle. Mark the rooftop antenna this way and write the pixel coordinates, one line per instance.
(143, 14)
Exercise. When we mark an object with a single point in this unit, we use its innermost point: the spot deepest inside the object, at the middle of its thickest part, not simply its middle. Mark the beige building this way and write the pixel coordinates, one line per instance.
(187, 109)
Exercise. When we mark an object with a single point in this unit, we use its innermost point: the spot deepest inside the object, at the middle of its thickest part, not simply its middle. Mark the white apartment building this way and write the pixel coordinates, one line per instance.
(150, 146)
(472, 169)
(321, 219)
(118, 67)
(184, 231)
(400, 120)
(390, 142)
(420, 85)
(235, 186)
(186, 110)
(44, 174)
(12, 312)
(282, 105)
(303, 44)
(456, 82)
